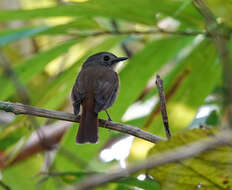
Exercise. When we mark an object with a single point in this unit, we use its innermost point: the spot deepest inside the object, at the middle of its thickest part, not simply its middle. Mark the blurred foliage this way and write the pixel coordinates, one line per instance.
(45, 43)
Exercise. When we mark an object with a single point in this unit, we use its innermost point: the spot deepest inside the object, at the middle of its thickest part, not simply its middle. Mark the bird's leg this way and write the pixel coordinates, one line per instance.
(109, 118)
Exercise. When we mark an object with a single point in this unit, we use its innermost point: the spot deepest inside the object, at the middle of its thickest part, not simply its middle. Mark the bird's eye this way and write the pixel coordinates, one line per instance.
(106, 58)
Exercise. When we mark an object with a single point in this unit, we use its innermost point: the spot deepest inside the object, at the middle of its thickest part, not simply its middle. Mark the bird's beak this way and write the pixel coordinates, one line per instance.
(116, 60)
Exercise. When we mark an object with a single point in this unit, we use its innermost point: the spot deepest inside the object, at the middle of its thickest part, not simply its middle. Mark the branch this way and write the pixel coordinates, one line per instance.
(137, 32)
(159, 84)
(18, 108)
(170, 156)
(221, 37)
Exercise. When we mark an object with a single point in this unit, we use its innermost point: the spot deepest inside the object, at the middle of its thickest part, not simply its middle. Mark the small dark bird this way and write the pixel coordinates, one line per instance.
(96, 88)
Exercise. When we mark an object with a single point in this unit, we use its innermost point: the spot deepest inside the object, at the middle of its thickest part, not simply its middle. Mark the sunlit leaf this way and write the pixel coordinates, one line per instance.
(209, 170)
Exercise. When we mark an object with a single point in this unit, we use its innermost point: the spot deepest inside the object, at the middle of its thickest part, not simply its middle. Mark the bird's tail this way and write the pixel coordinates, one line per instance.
(88, 129)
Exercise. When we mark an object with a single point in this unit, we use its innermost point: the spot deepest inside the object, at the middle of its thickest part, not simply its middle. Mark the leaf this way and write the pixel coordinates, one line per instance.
(7, 37)
(213, 119)
(129, 10)
(73, 26)
(33, 66)
(209, 170)
(68, 177)
(123, 187)
(147, 184)
(188, 16)
(20, 177)
(209, 120)
(222, 9)
(11, 138)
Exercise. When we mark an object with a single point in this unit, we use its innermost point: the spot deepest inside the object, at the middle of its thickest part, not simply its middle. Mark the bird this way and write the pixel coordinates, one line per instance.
(95, 89)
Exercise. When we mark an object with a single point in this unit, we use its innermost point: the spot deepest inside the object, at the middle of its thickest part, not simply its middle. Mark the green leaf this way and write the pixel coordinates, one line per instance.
(123, 187)
(209, 120)
(22, 176)
(147, 184)
(11, 138)
(213, 119)
(208, 170)
(221, 9)
(129, 10)
(68, 177)
(33, 66)
(73, 26)
(188, 16)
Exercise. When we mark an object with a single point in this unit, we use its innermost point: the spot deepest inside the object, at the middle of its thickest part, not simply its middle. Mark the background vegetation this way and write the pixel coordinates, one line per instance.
(42, 46)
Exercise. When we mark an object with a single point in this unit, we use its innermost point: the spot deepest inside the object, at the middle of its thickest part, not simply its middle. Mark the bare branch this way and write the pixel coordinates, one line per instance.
(179, 79)
(170, 156)
(18, 108)
(159, 84)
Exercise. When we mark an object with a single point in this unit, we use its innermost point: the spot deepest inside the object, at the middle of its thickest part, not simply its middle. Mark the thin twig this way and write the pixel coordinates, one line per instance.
(221, 39)
(159, 84)
(179, 79)
(18, 108)
(180, 153)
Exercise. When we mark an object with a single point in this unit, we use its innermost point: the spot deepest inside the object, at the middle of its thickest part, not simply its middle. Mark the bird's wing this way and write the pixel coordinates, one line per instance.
(106, 87)
(78, 93)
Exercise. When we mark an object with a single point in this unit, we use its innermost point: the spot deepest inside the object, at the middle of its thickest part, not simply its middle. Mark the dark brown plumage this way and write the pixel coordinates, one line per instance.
(95, 89)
